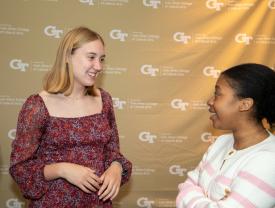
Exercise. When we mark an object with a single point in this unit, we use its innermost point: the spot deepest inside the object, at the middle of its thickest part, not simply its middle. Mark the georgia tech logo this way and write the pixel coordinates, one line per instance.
(214, 4)
(271, 4)
(117, 34)
(210, 71)
(90, 2)
(147, 137)
(243, 38)
(14, 203)
(177, 170)
(181, 37)
(12, 133)
(144, 202)
(119, 104)
(18, 64)
(52, 31)
(152, 3)
(179, 104)
(149, 70)
(208, 137)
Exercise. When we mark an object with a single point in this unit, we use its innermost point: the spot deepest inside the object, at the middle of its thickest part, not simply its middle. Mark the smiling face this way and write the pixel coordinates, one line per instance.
(224, 106)
(87, 62)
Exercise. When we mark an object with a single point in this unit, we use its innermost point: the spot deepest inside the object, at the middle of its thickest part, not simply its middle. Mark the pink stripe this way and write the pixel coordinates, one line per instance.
(209, 169)
(242, 200)
(191, 203)
(190, 180)
(184, 185)
(257, 182)
(187, 190)
(223, 180)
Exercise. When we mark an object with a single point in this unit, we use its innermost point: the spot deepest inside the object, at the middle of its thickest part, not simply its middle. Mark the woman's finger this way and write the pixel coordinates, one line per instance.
(103, 187)
(83, 188)
(94, 183)
(94, 176)
(110, 194)
(116, 193)
(89, 186)
(106, 191)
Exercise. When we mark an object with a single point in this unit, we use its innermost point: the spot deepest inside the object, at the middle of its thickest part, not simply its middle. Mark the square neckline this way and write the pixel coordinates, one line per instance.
(78, 117)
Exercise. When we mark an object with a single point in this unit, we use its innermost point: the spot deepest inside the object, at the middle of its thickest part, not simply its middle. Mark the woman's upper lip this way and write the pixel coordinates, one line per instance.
(211, 111)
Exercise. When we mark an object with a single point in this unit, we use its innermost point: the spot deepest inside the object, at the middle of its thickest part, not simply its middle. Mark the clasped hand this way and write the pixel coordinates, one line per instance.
(107, 184)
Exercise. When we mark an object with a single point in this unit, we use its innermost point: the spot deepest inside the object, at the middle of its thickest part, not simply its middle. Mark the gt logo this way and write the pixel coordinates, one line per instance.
(179, 104)
(52, 31)
(181, 37)
(149, 70)
(118, 35)
(18, 64)
(243, 38)
(214, 4)
(147, 137)
(119, 104)
(210, 71)
(90, 2)
(177, 170)
(271, 4)
(144, 202)
(151, 3)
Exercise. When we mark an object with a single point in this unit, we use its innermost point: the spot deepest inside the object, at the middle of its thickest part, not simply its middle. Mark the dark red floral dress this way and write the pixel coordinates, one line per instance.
(41, 139)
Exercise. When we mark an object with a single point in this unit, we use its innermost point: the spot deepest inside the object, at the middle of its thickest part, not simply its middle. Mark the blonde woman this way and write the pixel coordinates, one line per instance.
(66, 152)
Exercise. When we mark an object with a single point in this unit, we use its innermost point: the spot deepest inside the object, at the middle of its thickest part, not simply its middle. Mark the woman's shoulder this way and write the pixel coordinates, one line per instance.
(104, 93)
(268, 145)
(33, 99)
(33, 105)
(46, 95)
(105, 96)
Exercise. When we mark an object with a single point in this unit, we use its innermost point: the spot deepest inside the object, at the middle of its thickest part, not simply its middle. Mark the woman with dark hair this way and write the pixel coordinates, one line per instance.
(238, 170)
(66, 151)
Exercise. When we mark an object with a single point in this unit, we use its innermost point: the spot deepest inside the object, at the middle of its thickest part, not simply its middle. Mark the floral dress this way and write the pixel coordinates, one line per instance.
(42, 139)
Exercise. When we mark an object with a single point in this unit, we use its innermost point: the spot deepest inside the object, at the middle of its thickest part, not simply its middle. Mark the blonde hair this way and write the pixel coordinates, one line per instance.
(60, 78)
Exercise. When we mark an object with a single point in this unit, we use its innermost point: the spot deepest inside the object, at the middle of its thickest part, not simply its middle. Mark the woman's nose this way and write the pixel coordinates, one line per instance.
(210, 101)
(98, 65)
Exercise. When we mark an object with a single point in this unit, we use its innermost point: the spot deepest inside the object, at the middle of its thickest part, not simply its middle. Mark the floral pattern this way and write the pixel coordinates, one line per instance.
(41, 139)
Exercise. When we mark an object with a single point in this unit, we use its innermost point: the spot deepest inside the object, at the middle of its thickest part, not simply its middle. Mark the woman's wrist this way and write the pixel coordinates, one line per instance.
(117, 164)
(54, 171)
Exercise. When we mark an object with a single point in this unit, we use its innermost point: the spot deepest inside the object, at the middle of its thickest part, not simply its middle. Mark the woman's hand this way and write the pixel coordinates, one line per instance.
(78, 175)
(111, 182)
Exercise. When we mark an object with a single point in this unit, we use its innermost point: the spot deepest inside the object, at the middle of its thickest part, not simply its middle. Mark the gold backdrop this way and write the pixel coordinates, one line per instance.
(163, 59)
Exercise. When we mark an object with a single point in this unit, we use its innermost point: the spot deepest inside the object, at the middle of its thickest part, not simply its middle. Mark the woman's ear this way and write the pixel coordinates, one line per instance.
(246, 104)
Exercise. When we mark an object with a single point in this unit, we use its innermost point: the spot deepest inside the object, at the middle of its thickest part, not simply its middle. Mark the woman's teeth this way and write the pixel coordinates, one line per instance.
(92, 74)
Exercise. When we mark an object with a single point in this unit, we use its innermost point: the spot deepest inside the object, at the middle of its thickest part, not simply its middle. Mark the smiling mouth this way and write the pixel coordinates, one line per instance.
(212, 113)
(92, 74)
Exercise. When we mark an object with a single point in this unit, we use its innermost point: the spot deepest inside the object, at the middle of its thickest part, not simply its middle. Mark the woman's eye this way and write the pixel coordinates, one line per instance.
(92, 57)
(102, 60)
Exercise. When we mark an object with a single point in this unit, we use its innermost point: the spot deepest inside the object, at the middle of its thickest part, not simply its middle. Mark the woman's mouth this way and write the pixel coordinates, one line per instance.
(92, 74)
(213, 114)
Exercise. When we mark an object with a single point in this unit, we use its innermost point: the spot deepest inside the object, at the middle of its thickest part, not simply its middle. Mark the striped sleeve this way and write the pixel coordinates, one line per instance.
(190, 188)
(253, 187)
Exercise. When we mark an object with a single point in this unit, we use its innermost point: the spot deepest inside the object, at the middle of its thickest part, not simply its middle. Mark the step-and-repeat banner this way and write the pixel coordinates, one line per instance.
(163, 59)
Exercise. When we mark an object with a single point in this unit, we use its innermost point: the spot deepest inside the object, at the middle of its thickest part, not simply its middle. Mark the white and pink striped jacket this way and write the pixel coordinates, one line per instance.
(226, 178)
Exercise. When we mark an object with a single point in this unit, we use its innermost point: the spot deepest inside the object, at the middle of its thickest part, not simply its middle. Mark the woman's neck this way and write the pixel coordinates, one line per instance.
(248, 135)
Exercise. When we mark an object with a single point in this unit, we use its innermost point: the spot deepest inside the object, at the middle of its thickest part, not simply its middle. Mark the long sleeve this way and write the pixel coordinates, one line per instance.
(253, 187)
(26, 168)
(190, 191)
(112, 147)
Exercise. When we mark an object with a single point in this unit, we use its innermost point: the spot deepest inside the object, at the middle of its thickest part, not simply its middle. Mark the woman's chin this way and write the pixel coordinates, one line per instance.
(215, 123)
